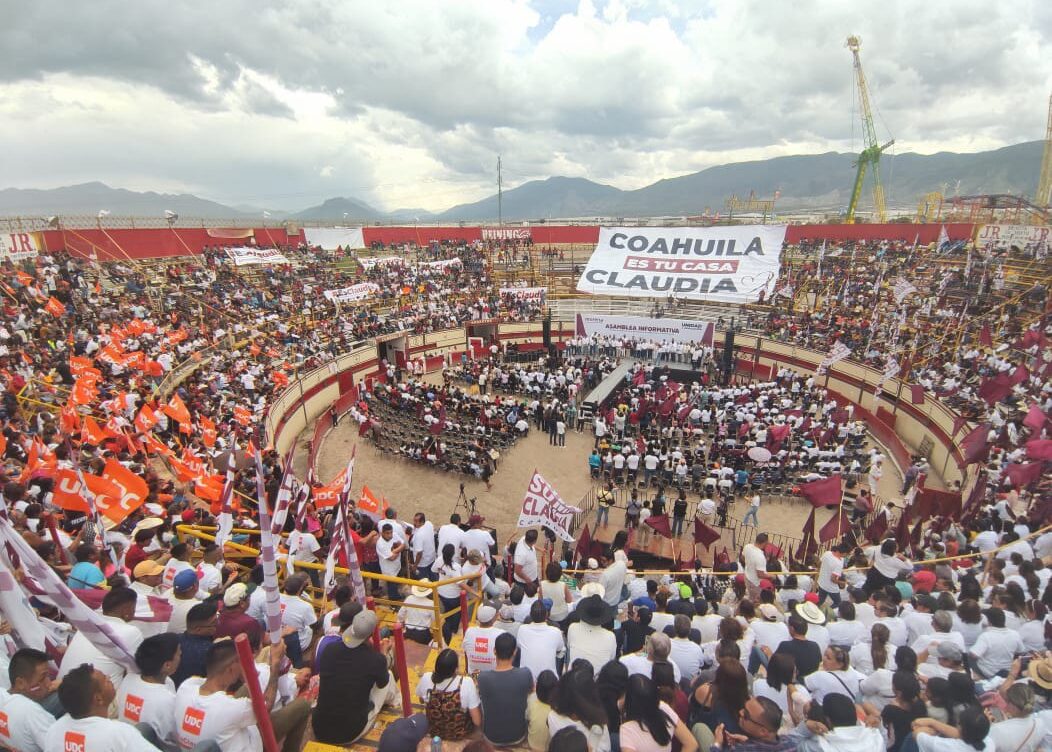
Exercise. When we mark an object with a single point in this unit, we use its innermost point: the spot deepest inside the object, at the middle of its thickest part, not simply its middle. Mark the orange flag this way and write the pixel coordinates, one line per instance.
(24, 278)
(208, 431)
(370, 505)
(131, 491)
(254, 350)
(177, 410)
(209, 487)
(55, 308)
(79, 365)
(242, 415)
(93, 433)
(85, 390)
(176, 336)
(195, 463)
(154, 446)
(68, 494)
(146, 419)
(69, 418)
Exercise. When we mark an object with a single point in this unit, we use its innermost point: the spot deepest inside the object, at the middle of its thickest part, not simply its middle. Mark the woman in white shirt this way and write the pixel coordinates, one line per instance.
(446, 568)
(445, 679)
(874, 655)
(878, 688)
(781, 688)
(835, 677)
(972, 733)
(555, 590)
(886, 565)
(576, 703)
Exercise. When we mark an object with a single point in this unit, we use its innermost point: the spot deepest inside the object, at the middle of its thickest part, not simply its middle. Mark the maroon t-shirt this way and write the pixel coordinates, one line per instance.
(232, 624)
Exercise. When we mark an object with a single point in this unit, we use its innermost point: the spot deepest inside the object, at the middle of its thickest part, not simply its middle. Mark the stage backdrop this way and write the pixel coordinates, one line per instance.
(640, 328)
(725, 264)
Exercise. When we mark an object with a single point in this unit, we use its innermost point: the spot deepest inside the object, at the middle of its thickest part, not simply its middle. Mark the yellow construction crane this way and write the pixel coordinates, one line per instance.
(869, 158)
(1044, 184)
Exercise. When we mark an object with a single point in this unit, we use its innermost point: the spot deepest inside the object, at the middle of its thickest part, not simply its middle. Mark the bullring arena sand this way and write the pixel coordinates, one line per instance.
(411, 486)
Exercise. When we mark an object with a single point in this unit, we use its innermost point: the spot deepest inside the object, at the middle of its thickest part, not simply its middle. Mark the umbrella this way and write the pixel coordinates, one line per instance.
(759, 454)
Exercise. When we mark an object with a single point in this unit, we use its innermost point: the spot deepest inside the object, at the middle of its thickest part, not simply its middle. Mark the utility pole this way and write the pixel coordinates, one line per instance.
(500, 196)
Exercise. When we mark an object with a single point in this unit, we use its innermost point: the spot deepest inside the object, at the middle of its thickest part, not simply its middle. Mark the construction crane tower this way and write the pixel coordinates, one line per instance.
(1044, 184)
(869, 158)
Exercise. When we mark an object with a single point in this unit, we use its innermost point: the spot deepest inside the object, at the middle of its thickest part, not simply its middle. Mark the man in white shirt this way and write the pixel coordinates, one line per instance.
(942, 626)
(846, 630)
(918, 619)
(296, 612)
(389, 552)
(755, 564)
(87, 694)
(526, 568)
(685, 654)
(768, 627)
(477, 538)
(831, 574)
(996, 647)
(422, 546)
(657, 650)
(540, 644)
(23, 721)
(118, 608)
(588, 638)
(451, 534)
(204, 710)
(149, 696)
(479, 641)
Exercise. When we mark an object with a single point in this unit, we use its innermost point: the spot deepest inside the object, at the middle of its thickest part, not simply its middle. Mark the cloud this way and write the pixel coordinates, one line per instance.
(409, 102)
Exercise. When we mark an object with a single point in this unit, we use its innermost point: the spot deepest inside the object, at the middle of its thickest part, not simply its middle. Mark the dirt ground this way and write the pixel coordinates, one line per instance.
(411, 486)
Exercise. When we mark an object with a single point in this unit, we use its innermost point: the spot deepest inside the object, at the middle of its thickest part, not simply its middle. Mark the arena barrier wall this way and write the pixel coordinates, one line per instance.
(122, 244)
(893, 419)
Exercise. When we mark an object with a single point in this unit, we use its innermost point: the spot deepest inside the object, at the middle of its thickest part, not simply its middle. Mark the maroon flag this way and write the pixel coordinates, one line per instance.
(985, 338)
(808, 546)
(1023, 475)
(641, 446)
(683, 412)
(996, 389)
(584, 543)
(975, 446)
(1020, 374)
(778, 432)
(931, 502)
(639, 378)
(1039, 449)
(902, 531)
(1035, 418)
(837, 525)
(660, 524)
(823, 493)
(704, 534)
(959, 422)
(878, 526)
(917, 394)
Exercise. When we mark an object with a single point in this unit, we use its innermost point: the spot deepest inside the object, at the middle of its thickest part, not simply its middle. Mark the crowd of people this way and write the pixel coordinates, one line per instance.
(873, 647)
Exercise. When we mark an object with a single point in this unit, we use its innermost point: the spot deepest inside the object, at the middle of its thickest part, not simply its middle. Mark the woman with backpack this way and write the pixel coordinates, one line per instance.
(451, 700)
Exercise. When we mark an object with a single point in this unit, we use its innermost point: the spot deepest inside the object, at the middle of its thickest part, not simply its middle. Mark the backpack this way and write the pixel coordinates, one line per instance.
(445, 718)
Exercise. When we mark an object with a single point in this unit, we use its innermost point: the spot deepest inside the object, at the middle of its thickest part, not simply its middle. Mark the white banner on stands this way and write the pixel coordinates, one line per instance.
(18, 246)
(731, 264)
(506, 233)
(371, 261)
(525, 293)
(352, 293)
(246, 256)
(1005, 236)
(543, 506)
(443, 264)
(646, 329)
(331, 238)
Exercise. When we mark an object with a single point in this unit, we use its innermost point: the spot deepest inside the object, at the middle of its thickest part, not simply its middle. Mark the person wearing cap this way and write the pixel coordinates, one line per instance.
(417, 613)
(137, 552)
(183, 597)
(768, 627)
(479, 640)
(948, 657)
(354, 683)
(146, 583)
(233, 620)
(588, 637)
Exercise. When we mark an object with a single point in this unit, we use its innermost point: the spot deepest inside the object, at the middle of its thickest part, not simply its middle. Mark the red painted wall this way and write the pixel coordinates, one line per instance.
(160, 242)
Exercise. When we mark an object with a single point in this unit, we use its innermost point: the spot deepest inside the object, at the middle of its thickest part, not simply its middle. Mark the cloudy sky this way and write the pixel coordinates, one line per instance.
(406, 103)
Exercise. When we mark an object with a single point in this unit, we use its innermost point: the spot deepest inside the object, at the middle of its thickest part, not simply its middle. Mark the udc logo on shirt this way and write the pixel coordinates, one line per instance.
(5, 730)
(133, 708)
(193, 720)
(73, 742)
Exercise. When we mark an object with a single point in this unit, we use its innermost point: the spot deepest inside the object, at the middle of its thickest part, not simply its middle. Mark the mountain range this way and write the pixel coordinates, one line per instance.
(805, 182)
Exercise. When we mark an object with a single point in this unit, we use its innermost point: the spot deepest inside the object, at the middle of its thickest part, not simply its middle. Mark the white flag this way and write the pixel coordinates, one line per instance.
(836, 354)
(542, 505)
(901, 289)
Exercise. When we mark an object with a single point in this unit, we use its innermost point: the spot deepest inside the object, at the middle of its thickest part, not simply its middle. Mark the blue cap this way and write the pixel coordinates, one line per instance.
(185, 580)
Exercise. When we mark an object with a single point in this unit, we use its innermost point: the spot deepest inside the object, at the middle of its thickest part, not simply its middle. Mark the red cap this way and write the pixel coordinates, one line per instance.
(811, 598)
(766, 585)
(923, 581)
(187, 515)
(739, 578)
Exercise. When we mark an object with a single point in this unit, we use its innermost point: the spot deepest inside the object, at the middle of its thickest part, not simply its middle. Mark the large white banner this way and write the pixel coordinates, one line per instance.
(331, 238)
(247, 255)
(443, 264)
(646, 329)
(352, 293)
(727, 264)
(369, 262)
(17, 246)
(544, 506)
(524, 293)
(1005, 236)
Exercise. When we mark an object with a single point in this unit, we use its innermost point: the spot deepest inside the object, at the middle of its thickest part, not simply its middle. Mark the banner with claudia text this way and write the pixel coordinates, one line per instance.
(354, 292)
(644, 329)
(542, 505)
(524, 293)
(732, 264)
(247, 255)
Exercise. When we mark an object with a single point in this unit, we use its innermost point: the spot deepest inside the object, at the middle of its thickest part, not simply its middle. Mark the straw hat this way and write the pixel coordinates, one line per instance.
(422, 590)
(810, 613)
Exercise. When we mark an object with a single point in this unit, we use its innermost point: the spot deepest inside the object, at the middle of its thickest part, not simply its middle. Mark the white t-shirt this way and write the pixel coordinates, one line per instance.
(638, 663)
(171, 569)
(846, 633)
(305, 545)
(469, 694)
(829, 566)
(384, 552)
(526, 557)
(1018, 734)
(821, 683)
(209, 577)
(932, 743)
(423, 543)
(81, 651)
(995, 650)
(23, 723)
(69, 734)
(450, 534)
(139, 701)
(228, 720)
(477, 539)
(539, 646)
(297, 613)
(478, 648)
(687, 656)
(755, 562)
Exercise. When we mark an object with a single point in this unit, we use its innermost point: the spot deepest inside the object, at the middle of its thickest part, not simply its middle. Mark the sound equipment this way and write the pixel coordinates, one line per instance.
(546, 329)
(727, 366)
